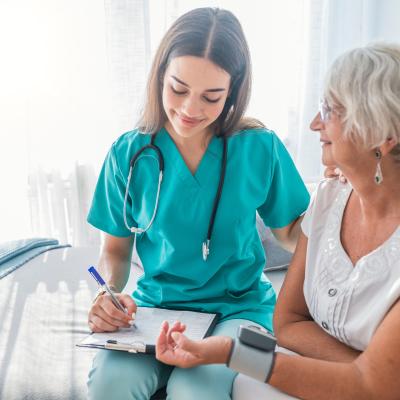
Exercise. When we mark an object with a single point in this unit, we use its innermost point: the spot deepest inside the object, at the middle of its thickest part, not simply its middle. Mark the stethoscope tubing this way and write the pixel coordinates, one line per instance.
(132, 164)
(206, 244)
(152, 146)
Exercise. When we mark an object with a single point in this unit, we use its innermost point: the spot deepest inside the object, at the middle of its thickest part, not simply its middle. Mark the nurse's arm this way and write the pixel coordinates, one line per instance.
(289, 234)
(114, 266)
(115, 260)
(293, 325)
(372, 375)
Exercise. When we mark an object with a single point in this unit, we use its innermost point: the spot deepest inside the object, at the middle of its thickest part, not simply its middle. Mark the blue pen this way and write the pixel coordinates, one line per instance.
(103, 284)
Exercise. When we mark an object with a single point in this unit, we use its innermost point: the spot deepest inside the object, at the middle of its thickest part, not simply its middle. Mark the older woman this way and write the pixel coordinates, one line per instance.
(339, 307)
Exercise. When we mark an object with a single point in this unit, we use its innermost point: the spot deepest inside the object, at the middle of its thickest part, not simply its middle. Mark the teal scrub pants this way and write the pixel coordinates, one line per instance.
(119, 375)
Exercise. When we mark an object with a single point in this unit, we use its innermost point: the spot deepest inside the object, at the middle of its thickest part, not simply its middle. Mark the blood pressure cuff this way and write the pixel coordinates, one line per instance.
(251, 361)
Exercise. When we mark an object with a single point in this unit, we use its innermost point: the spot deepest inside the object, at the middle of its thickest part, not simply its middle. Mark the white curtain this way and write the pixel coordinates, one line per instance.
(70, 80)
(73, 75)
(292, 44)
(332, 27)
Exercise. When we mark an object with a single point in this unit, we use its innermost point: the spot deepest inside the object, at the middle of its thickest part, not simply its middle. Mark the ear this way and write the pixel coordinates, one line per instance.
(388, 145)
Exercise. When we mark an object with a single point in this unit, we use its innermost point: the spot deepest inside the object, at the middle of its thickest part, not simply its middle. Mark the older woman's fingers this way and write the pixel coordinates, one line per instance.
(186, 344)
(331, 172)
(162, 340)
(176, 327)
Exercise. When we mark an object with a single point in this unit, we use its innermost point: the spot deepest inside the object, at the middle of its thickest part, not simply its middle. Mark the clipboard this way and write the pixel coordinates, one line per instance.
(141, 338)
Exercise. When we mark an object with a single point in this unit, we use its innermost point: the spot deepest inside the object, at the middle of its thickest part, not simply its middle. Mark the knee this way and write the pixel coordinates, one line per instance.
(113, 376)
(105, 382)
(196, 383)
(187, 390)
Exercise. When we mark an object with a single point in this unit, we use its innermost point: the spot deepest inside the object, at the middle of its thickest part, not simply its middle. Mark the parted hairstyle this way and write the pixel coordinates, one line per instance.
(365, 83)
(213, 34)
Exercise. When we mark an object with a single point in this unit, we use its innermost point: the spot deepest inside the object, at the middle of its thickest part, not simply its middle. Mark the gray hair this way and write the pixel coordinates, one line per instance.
(365, 82)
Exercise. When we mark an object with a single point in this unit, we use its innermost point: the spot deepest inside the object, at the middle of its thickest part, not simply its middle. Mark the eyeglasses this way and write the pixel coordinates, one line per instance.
(325, 110)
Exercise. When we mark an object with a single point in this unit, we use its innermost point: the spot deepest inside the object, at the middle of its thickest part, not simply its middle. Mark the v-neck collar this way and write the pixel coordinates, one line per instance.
(209, 163)
(343, 203)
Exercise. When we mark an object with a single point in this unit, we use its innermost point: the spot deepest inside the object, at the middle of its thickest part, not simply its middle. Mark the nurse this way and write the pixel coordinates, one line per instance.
(197, 237)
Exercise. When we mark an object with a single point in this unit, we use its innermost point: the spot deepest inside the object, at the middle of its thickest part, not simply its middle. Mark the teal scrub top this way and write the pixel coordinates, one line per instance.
(260, 176)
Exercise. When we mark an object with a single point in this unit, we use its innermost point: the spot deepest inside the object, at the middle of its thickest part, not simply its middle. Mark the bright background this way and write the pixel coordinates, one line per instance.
(72, 76)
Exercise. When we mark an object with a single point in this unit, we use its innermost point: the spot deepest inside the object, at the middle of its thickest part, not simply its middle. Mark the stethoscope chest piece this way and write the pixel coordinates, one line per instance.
(206, 249)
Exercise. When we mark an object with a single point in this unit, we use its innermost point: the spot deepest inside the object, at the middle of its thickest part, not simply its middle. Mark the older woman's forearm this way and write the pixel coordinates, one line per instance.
(311, 379)
(309, 339)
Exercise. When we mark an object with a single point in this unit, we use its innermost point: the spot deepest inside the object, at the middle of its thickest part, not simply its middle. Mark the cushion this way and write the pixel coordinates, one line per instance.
(277, 257)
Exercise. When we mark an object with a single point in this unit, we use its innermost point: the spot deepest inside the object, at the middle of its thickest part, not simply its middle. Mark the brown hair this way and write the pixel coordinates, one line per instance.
(213, 34)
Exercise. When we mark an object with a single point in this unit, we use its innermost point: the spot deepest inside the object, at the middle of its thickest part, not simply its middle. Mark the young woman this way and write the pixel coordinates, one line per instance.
(196, 231)
(339, 307)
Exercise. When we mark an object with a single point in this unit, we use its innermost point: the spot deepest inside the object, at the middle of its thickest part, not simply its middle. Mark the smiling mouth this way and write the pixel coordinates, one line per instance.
(187, 120)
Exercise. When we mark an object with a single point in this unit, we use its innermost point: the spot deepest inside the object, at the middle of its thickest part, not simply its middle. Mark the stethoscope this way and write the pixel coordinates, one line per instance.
(205, 248)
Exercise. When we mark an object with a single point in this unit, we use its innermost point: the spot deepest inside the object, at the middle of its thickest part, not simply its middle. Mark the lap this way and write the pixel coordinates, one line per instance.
(206, 381)
(122, 375)
(246, 388)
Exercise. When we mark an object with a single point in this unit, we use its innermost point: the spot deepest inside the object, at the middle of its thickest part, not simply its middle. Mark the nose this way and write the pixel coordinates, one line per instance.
(317, 124)
(191, 107)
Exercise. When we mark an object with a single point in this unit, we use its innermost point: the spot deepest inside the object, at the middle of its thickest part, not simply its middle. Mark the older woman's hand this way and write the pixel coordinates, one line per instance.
(174, 348)
(331, 171)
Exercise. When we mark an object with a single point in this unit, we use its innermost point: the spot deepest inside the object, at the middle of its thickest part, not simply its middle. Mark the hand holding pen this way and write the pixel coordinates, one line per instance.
(112, 311)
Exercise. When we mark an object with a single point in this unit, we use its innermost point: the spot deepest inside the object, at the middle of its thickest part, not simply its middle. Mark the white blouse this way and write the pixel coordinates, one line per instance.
(347, 301)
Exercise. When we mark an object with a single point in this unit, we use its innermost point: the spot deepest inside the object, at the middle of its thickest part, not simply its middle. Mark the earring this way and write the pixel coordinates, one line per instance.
(378, 172)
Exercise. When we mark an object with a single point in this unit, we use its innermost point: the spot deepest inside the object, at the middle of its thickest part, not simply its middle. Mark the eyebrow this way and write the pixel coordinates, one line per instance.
(207, 90)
